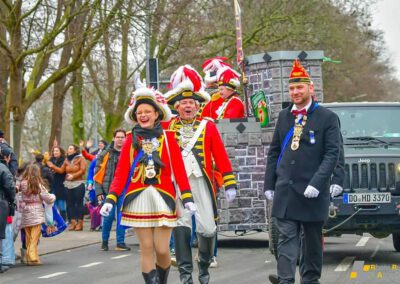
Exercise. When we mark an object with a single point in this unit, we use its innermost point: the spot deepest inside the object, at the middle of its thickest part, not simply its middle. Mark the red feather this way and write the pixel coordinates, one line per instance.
(227, 75)
(194, 77)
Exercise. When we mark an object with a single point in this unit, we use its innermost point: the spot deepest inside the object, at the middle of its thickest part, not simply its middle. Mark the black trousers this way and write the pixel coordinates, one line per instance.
(75, 207)
(288, 250)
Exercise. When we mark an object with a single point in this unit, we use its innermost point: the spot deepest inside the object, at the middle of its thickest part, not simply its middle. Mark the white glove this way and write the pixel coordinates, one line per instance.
(269, 194)
(311, 192)
(335, 190)
(191, 207)
(230, 194)
(106, 209)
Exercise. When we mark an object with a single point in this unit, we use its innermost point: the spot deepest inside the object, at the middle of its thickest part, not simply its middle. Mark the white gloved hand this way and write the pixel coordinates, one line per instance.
(191, 207)
(106, 209)
(335, 190)
(230, 194)
(269, 194)
(311, 192)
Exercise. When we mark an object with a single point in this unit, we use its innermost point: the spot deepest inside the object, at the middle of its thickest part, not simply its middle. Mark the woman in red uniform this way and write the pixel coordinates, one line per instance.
(149, 202)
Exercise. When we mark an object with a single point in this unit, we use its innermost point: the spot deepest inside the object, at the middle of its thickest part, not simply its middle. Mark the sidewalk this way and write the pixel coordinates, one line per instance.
(70, 240)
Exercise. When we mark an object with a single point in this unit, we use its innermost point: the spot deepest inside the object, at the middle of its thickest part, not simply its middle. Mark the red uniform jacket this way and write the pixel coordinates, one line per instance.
(209, 150)
(165, 185)
(233, 108)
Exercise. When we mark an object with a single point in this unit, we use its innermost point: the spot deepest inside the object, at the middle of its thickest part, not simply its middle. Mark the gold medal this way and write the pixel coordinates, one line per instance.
(295, 145)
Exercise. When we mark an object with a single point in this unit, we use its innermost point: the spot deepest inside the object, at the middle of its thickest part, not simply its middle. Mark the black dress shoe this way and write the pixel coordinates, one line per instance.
(273, 278)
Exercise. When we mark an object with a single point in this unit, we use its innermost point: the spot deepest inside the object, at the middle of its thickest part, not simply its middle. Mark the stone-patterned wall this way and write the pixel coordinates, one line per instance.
(247, 151)
(270, 72)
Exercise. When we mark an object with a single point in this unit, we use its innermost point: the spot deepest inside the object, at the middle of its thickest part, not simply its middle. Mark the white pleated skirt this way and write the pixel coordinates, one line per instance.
(148, 209)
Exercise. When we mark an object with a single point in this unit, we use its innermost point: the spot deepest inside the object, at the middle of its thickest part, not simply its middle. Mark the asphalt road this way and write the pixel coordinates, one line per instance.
(348, 259)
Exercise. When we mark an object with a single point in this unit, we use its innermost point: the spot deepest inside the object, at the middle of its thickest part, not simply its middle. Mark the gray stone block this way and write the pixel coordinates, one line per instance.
(261, 161)
(243, 138)
(275, 72)
(234, 203)
(240, 152)
(232, 152)
(244, 202)
(257, 177)
(259, 203)
(266, 137)
(243, 185)
(223, 217)
(251, 161)
(241, 161)
(251, 151)
(260, 152)
(316, 71)
(254, 169)
(276, 85)
(248, 192)
(242, 176)
(231, 139)
(255, 138)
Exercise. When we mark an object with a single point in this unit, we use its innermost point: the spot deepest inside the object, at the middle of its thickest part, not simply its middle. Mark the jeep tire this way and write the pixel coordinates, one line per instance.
(396, 241)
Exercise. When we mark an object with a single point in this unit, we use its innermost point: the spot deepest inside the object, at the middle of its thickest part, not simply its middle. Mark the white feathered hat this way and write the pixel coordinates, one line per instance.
(143, 94)
(211, 66)
(186, 83)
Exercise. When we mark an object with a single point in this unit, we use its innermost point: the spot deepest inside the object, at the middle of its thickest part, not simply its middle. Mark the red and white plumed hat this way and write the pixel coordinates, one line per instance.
(228, 77)
(150, 96)
(186, 83)
(211, 66)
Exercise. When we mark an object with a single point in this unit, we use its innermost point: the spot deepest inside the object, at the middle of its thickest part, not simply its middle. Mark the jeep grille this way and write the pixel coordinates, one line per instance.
(380, 176)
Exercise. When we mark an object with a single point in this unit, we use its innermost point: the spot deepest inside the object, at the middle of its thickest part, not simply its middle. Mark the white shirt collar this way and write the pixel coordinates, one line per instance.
(294, 107)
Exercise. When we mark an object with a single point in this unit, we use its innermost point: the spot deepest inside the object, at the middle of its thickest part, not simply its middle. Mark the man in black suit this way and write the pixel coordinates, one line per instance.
(303, 154)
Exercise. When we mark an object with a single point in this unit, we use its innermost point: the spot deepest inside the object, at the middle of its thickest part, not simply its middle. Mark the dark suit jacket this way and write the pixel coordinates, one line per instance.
(312, 164)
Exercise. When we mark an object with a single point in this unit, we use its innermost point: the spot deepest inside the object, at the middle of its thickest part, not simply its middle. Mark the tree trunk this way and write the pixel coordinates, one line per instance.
(113, 121)
(56, 117)
(78, 127)
(3, 82)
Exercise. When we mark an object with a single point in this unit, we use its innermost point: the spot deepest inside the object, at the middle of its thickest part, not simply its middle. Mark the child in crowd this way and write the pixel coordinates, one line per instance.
(31, 197)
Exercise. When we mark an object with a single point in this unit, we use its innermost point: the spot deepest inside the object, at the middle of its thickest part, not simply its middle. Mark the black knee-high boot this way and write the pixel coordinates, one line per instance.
(206, 252)
(183, 253)
(163, 274)
(151, 277)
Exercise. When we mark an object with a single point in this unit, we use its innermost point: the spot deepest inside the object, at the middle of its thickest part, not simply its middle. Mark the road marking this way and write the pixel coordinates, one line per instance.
(267, 261)
(362, 242)
(121, 256)
(52, 275)
(345, 264)
(376, 250)
(90, 264)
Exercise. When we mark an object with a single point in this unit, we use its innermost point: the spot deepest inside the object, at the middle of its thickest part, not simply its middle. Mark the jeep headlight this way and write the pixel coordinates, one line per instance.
(398, 167)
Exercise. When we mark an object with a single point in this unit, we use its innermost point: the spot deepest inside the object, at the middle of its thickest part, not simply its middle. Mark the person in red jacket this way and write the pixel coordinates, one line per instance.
(201, 148)
(149, 202)
(226, 102)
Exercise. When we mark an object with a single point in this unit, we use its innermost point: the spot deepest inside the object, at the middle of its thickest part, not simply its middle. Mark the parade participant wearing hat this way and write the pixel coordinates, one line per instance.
(146, 171)
(200, 145)
(226, 102)
(302, 156)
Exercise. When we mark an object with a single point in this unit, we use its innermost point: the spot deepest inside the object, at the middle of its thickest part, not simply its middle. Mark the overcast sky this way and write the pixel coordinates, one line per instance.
(387, 18)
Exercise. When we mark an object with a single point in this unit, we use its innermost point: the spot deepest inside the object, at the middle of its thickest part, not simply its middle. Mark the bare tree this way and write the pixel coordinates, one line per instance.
(39, 21)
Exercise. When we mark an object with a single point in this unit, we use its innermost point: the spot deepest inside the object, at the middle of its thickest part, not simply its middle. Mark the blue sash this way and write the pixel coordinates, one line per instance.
(290, 134)
(122, 196)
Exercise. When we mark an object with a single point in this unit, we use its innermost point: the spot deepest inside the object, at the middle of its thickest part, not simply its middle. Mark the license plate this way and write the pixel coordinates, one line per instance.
(366, 198)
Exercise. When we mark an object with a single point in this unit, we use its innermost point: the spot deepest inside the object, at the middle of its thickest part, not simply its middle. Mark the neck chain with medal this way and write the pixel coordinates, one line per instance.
(186, 132)
(299, 124)
(149, 146)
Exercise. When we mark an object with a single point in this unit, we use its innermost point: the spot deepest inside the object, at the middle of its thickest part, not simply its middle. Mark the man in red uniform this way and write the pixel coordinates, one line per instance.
(201, 145)
(226, 102)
